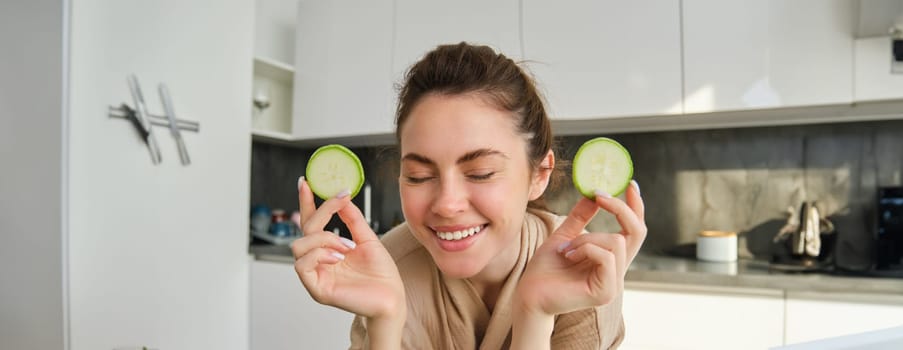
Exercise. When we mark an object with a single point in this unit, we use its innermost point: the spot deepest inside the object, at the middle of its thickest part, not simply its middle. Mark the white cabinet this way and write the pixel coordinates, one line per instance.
(595, 59)
(271, 115)
(749, 54)
(274, 59)
(421, 25)
(343, 60)
(349, 56)
(813, 316)
(274, 30)
(873, 79)
(595, 62)
(676, 317)
(284, 316)
(105, 249)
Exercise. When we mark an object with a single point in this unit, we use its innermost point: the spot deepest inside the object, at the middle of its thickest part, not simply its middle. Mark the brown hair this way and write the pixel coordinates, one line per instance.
(462, 69)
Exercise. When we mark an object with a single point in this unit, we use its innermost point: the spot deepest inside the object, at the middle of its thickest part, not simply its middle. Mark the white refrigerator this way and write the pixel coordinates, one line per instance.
(99, 247)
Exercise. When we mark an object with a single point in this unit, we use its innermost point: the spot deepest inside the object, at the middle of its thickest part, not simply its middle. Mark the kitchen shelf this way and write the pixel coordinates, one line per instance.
(273, 80)
(271, 136)
(275, 240)
(274, 69)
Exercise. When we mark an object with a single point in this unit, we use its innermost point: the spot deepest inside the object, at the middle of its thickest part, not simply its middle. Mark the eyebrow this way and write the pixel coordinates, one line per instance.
(469, 156)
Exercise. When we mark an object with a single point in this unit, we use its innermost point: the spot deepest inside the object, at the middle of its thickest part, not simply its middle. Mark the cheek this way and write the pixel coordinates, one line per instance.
(414, 202)
(500, 197)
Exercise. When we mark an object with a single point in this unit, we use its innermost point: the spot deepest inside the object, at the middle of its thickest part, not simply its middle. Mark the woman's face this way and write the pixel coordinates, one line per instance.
(465, 182)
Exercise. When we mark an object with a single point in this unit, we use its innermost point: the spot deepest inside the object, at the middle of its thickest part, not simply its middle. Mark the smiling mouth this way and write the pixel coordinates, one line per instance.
(460, 234)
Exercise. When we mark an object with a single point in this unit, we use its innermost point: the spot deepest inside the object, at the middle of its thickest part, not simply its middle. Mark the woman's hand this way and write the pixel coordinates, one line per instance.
(573, 271)
(357, 276)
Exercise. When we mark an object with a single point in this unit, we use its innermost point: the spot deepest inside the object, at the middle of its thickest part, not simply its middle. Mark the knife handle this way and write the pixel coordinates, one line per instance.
(173, 123)
(183, 152)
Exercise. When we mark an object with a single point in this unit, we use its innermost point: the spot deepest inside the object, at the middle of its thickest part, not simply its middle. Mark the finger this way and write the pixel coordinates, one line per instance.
(305, 201)
(606, 275)
(613, 242)
(304, 245)
(320, 217)
(357, 224)
(594, 253)
(635, 200)
(577, 219)
(633, 229)
(306, 268)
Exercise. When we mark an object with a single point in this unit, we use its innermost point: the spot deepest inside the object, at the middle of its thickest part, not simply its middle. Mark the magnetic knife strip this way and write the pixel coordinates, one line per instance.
(144, 121)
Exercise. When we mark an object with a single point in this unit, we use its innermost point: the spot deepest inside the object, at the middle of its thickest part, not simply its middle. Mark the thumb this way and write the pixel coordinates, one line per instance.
(357, 224)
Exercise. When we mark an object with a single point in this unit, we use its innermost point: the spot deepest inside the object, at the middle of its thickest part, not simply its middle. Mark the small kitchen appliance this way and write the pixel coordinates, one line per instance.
(889, 229)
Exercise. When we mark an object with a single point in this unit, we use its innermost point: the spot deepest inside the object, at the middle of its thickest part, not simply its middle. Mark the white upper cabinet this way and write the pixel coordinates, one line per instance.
(749, 54)
(343, 59)
(421, 25)
(274, 30)
(274, 59)
(873, 77)
(596, 59)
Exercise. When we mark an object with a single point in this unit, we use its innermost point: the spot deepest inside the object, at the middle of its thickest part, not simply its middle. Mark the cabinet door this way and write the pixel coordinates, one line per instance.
(814, 316)
(157, 254)
(343, 84)
(274, 30)
(421, 25)
(594, 59)
(695, 319)
(283, 315)
(747, 54)
(874, 81)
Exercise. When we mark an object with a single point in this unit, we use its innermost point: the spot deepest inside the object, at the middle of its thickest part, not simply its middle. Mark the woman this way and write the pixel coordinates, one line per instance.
(479, 262)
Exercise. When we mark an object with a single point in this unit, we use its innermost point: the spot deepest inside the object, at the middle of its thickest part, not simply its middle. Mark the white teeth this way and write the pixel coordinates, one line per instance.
(457, 235)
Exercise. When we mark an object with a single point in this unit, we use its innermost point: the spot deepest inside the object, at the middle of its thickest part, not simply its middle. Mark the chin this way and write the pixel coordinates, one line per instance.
(456, 268)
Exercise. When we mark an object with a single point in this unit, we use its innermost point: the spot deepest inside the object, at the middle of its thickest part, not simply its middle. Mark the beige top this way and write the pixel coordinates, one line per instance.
(448, 313)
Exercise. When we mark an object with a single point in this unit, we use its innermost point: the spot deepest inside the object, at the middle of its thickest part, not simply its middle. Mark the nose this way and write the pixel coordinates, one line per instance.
(451, 200)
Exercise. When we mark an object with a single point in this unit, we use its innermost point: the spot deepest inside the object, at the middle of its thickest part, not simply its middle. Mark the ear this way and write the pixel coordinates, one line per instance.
(542, 176)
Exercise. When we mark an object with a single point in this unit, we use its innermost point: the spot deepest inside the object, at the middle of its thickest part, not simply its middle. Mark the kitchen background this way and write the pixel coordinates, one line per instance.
(734, 110)
(741, 179)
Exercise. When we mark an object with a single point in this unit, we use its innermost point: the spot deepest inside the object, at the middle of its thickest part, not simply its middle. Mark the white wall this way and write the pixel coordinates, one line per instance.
(31, 168)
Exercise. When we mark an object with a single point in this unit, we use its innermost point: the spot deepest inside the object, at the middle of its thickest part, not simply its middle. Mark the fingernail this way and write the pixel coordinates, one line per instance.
(603, 194)
(296, 218)
(347, 242)
(636, 185)
(563, 246)
(568, 254)
(343, 194)
(300, 182)
(338, 255)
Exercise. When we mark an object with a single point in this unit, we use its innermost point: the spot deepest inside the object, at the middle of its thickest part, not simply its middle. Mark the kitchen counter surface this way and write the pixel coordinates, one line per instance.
(754, 274)
(658, 271)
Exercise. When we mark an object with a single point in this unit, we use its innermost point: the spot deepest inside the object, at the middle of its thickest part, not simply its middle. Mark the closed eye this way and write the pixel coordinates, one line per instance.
(417, 180)
(479, 177)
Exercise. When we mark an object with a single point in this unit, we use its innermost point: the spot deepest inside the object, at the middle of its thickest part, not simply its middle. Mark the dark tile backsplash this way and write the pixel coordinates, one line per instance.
(740, 180)
(275, 171)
